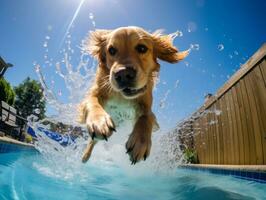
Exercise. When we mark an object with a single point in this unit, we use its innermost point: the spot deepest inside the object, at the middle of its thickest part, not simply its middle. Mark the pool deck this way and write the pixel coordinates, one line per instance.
(250, 168)
(13, 141)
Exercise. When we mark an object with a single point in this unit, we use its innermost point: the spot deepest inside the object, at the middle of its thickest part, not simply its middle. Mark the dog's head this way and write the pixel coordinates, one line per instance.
(129, 55)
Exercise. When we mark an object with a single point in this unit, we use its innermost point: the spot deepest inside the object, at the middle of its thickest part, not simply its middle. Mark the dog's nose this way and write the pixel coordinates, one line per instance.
(125, 77)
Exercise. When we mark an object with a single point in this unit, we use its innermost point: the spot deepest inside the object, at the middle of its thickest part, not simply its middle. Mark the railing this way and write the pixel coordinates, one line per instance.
(230, 128)
(11, 123)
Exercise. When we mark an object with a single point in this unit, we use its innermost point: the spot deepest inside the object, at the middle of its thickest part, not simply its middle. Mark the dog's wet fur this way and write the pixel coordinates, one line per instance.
(127, 67)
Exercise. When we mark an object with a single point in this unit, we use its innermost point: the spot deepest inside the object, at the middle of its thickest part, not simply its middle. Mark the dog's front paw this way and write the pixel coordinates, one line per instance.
(138, 146)
(100, 125)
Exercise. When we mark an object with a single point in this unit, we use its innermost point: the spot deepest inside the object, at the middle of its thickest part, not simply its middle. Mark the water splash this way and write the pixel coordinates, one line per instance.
(176, 34)
(65, 162)
(163, 100)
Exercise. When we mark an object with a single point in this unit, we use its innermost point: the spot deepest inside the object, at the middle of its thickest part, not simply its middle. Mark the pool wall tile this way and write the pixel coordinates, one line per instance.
(8, 147)
(241, 174)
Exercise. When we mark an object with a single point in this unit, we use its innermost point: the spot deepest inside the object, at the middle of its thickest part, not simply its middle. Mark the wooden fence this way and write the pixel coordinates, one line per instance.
(230, 128)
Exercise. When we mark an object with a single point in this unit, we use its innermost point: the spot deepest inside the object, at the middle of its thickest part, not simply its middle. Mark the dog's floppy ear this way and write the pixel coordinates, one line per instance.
(96, 44)
(165, 50)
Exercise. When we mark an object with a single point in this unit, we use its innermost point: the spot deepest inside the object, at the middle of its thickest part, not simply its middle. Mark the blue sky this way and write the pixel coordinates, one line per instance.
(238, 25)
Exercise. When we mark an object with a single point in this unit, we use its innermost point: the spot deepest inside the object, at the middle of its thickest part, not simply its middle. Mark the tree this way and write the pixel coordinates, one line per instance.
(7, 94)
(29, 99)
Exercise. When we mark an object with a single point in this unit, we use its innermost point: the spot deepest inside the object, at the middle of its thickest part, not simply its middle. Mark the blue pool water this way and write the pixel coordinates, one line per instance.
(24, 175)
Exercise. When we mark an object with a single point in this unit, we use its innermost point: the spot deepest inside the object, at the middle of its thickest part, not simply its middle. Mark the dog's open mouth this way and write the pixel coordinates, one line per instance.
(133, 91)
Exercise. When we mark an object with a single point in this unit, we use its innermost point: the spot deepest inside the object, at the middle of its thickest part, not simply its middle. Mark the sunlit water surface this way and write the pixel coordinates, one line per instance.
(25, 176)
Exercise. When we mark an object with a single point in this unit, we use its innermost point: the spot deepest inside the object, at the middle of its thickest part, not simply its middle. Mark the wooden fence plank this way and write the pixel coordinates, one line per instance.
(244, 125)
(207, 144)
(207, 131)
(239, 127)
(214, 131)
(258, 85)
(197, 138)
(224, 120)
(216, 127)
(235, 137)
(263, 69)
(203, 136)
(220, 132)
(230, 125)
(210, 136)
(201, 132)
(252, 93)
(251, 137)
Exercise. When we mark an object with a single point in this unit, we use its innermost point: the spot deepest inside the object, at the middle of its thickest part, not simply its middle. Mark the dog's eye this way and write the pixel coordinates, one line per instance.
(112, 51)
(141, 48)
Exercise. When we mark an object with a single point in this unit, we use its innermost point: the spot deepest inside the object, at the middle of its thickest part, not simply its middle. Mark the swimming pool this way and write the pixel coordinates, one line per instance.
(24, 175)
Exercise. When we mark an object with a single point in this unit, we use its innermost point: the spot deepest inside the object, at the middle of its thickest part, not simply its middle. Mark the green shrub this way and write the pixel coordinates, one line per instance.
(190, 156)
(7, 94)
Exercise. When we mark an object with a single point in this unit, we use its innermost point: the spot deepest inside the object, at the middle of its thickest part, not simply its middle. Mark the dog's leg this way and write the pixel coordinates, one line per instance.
(87, 152)
(99, 123)
(139, 142)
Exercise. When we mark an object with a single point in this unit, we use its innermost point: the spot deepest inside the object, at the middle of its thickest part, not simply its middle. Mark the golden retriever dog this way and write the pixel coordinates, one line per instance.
(127, 63)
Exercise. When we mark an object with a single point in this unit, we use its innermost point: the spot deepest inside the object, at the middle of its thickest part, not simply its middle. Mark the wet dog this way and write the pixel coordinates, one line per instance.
(127, 65)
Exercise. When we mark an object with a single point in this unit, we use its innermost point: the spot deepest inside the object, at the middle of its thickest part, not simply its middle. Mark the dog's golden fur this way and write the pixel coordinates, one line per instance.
(124, 44)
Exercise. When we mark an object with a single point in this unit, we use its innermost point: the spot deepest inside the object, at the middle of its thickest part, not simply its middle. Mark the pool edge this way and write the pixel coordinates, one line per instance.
(15, 142)
(249, 172)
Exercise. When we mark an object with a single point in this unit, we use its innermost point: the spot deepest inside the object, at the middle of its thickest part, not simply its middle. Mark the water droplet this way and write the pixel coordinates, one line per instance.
(37, 111)
(45, 44)
(162, 104)
(194, 47)
(91, 16)
(177, 83)
(217, 112)
(220, 47)
(47, 37)
(176, 34)
(206, 29)
(37, 68)
(230, 56)
(191, 27)
(212, 122)
(236, 53)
